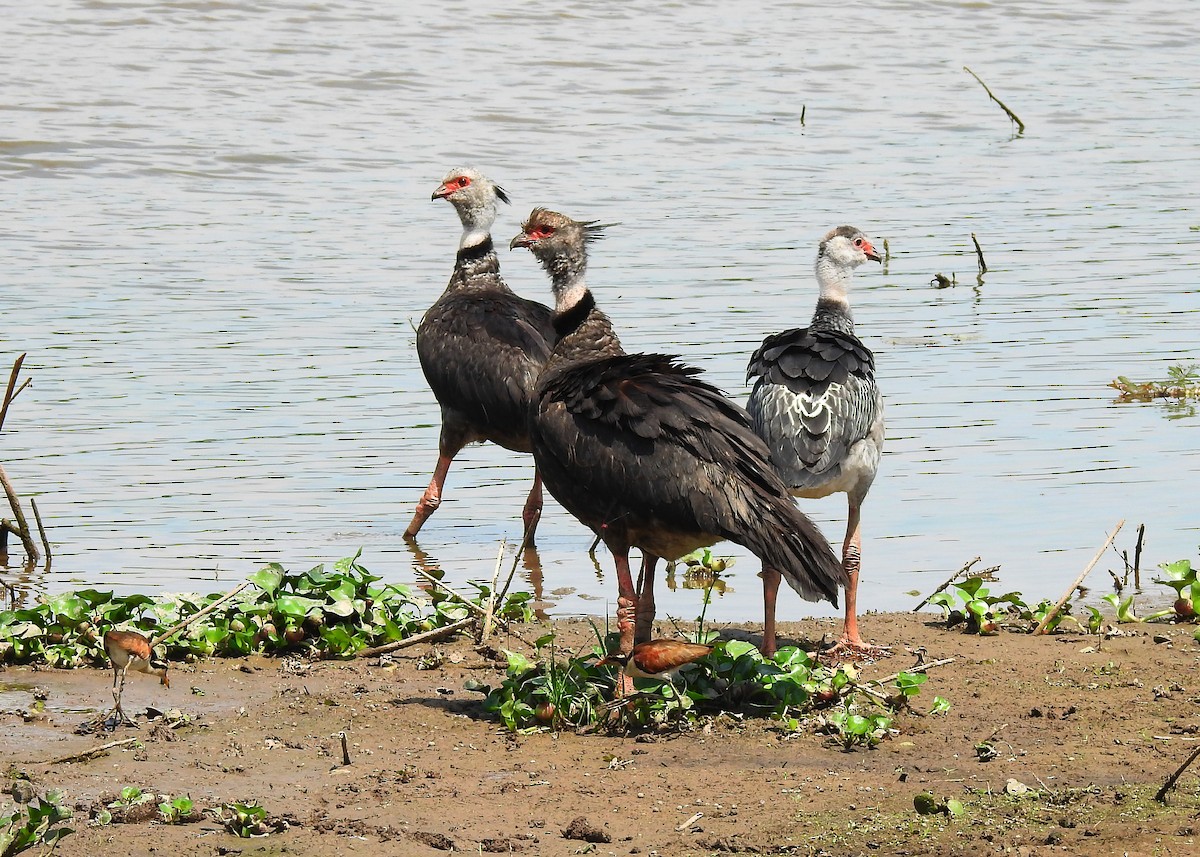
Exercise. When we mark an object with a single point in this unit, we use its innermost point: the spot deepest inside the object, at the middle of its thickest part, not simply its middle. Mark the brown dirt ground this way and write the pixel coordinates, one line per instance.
(1093, 733)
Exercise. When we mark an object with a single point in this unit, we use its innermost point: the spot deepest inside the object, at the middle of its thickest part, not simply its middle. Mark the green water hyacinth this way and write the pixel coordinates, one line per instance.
(327, 613)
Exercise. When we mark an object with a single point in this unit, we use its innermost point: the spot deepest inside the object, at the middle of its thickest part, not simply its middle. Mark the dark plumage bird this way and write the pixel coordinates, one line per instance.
(647, 455)
(481, 347)
(816, 404)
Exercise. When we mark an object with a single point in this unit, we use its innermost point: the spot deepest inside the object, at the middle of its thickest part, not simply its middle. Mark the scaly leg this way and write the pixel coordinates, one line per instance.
(627, 605)
(532, 513)
(851, 644)
(770, 578)
(627, 599)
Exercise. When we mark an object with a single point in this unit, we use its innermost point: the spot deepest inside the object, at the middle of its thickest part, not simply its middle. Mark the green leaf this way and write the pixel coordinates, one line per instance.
(737, 648)
(296, 606)
(268, 578)
(518, 664)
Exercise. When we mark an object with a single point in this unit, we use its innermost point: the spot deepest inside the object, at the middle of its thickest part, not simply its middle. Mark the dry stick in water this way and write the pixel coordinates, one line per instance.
(22, 526)
(11, 393)
(1137, 558)
(979, 253)
(1049, 617)
(953, 578)
(1161, 797)
(1003, 106)
(37, 516)
(199, 614)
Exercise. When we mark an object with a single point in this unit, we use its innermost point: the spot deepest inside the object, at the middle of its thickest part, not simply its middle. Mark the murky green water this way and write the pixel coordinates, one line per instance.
(218, 235)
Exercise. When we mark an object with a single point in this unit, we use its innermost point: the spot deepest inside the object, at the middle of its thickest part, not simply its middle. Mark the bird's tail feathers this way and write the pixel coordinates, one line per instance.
(803, 556)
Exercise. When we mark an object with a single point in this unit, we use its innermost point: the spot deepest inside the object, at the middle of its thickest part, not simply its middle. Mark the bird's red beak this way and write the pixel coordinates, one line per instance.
(869, 249)
(442, 192)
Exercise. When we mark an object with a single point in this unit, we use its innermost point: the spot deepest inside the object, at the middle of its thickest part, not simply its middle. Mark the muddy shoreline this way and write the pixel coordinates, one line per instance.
(1088, 735)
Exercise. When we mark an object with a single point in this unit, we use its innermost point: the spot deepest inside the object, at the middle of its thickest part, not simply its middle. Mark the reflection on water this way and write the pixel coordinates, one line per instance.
(219, 236)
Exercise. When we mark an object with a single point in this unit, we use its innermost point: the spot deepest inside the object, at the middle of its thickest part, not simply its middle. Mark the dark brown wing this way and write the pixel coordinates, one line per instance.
(481, 353)
(637, 438)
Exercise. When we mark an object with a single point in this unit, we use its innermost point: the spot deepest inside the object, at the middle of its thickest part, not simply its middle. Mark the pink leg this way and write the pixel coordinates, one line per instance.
(852, 644)
(771, 579)
(627, 605)
(644, 627)
(851, 560)
(627, 600)
(532, 513)
(432, 498)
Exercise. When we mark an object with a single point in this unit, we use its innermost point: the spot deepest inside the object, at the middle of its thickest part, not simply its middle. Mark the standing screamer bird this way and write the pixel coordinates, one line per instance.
(481, 347)
(647, 455)
(816, 404)
(129, 650)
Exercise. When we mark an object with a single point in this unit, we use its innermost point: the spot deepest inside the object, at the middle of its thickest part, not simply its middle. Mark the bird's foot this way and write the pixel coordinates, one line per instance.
(855, 651)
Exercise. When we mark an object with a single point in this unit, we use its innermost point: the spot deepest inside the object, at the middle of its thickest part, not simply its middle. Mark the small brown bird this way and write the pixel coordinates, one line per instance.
(658, 659)
(129, 650)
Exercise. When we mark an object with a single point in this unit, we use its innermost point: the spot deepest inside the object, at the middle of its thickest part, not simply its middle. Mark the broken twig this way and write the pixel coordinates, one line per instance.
(200, 613)
(1049, 617)
(952, 578)
(37, 516)
(1161, 797)
(86, 754)
(1003, 106)
(979, 254)
(919, 668)
(417, 639)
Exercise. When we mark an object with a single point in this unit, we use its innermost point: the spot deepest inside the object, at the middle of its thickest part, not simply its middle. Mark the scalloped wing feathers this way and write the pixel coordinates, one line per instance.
(637, 444)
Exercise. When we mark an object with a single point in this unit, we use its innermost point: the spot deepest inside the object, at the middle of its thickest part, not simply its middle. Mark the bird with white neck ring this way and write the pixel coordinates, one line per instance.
(645, 454)
(481, 347)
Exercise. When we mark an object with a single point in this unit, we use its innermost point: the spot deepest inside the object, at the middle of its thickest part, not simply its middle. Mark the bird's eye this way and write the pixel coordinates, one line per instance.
(858, 242)
(463, 181)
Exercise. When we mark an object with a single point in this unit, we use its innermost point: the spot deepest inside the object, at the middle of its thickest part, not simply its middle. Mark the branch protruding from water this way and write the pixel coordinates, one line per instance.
(979, 255)
(1003, 106)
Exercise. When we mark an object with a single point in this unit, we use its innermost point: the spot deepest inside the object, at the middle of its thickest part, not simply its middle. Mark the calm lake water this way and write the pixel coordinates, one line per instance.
(218, 237)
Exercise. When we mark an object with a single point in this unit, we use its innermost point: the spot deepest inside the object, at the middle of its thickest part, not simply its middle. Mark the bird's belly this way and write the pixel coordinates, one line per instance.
(668, 544)
(853, 475)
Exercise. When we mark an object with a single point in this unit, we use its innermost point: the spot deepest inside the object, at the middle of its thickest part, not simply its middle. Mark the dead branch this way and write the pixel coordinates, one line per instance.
(979, 254)
(1161, 796)
(11, 392)
(425, 637)
(1049, 617)
(951, 579)
(86, 754)
(22, 527)
(919, 668)
(1003, 106)
(199, 614)
(37, 516)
